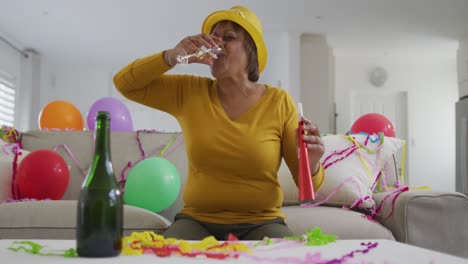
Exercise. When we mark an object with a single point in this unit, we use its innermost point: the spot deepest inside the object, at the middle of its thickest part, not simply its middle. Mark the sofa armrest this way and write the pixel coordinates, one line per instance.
(427, 218)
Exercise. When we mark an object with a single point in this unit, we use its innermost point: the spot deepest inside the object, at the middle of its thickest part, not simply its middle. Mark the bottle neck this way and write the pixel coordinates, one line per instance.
(102, 138)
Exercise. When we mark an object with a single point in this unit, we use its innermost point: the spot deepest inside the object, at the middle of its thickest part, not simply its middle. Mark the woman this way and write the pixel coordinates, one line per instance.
(236, 130)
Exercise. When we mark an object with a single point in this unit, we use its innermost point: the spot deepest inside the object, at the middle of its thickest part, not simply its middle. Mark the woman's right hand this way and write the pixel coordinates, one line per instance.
(190, 45)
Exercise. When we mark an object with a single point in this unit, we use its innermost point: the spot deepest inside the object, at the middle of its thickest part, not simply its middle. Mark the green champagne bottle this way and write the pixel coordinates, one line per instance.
(100, 205)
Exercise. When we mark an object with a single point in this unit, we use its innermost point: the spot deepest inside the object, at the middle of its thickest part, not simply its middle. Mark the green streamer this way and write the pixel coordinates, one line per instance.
(37, 249)
(161, 153)
(314, 238)
(266, 242)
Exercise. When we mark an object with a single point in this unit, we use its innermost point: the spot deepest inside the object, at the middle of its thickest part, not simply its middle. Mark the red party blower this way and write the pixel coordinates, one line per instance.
(306, 188)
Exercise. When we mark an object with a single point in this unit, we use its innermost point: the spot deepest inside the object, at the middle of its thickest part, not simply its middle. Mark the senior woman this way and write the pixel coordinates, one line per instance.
(236, 130)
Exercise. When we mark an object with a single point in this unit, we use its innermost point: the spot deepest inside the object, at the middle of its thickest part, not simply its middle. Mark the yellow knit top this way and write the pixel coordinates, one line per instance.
(232, 164)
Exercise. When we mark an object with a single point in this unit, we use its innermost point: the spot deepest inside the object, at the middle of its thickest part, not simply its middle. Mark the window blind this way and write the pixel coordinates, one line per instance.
(7, 102)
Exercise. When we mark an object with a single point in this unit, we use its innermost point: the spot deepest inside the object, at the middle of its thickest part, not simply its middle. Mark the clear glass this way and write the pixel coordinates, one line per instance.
(201, 53)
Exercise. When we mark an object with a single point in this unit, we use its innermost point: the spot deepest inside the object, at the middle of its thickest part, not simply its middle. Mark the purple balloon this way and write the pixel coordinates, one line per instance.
(119, 114)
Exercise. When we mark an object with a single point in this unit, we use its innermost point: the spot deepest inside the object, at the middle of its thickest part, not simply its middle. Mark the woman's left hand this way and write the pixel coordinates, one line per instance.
(314, 143)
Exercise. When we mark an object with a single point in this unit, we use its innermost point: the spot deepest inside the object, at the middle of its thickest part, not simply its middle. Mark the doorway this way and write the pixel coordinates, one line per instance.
(393, 105)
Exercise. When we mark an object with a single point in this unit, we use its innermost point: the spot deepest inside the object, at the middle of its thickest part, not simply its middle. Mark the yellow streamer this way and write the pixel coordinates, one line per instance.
(403, 158)
(168, 144)
(361, 158)
(370, 151)
(137, 241)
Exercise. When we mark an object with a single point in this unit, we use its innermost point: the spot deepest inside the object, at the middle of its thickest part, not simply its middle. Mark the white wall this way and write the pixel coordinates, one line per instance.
(78, 84)
(317, 74)
(9, 61)
(28, 97)
(276, 72)
(82, 84)
(429, 79)
(431, 83)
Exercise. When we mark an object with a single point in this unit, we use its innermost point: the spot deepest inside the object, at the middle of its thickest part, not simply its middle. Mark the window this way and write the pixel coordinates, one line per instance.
(7, 102)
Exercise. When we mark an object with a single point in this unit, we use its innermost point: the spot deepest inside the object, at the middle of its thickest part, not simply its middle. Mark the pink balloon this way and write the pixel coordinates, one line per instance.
(373, 123)
(119, 114)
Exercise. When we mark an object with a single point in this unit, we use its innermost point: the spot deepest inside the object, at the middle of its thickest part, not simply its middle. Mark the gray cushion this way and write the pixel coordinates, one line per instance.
(345, 224)
(57, 220)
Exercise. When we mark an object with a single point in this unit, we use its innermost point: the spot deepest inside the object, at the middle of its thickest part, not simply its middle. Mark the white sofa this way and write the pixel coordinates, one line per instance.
(429, 219)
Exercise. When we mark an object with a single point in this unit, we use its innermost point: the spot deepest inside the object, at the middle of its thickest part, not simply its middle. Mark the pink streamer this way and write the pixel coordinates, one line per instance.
(13, 148)
(386, 175)
(275, 244)
(375, 211)
(310, 258)
(331, 194)
(376, 181)
(140, 146)
(375, 168)
(360, 200)
(367, 140)
(351, 150)
(74, 159)
(124, 174)
(343, 259)
(153, 152)
(14, 183)
(394, 196)
(379, 167)
(337, 152)
(172, 148)
(11, 200)
(7, 148)
(384, 181)
(138, 139)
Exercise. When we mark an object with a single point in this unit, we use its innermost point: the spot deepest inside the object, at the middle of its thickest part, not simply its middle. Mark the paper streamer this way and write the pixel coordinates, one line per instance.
(148, 242)
(163, 150)
(72, 156)
(37, 249)
(13, 148)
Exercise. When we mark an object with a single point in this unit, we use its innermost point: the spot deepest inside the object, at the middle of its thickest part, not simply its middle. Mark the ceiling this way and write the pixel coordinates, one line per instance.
(103, 29)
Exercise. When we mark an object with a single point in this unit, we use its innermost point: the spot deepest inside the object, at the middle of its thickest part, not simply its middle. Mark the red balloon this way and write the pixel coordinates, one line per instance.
(43, 174)
(373, 123)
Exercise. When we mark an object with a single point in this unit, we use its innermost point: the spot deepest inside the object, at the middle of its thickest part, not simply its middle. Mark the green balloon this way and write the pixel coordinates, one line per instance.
(152, 184)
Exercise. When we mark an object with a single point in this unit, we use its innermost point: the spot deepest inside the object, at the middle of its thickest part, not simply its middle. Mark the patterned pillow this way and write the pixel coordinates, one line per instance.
(355, 166)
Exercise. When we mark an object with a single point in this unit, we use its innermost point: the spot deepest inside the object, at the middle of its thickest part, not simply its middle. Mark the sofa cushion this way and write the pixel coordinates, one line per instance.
(57, 220)
(345, 224)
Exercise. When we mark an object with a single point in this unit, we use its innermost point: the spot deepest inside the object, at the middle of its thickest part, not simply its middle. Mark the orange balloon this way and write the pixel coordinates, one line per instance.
(60, 115)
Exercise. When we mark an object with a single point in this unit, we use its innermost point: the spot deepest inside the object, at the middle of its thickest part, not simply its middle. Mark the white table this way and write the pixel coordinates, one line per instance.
(386, 252)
